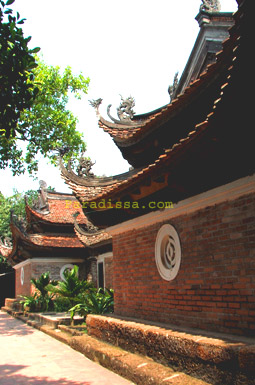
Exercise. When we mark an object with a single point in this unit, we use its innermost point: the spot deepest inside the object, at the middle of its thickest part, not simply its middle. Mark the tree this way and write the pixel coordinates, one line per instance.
(33, 101)
(16, 91)
(51, 124)
(16, 203)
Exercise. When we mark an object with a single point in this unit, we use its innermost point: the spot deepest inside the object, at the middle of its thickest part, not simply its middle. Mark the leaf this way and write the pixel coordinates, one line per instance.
(9, 2)
(21, 21)
(35, 50)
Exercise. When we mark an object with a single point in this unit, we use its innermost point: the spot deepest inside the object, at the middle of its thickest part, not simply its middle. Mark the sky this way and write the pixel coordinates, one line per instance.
(129, 48)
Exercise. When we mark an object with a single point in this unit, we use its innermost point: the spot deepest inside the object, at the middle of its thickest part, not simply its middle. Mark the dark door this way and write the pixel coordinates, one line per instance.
(100, 274)
(7, 286)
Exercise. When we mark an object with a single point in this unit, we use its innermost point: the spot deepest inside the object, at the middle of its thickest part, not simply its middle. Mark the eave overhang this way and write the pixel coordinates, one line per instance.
(149, 134)
(27, 245)
(205, 158)
(207, 155)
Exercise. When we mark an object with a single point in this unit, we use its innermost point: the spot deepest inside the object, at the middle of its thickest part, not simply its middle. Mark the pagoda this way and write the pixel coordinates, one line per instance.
(47, 241)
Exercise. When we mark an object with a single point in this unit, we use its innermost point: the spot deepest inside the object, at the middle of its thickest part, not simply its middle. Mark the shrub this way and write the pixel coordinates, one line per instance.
(61, 304)
(95, 302)
(72, 287)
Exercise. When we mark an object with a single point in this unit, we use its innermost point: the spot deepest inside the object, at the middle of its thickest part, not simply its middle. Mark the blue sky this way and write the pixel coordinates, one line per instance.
(126, 48)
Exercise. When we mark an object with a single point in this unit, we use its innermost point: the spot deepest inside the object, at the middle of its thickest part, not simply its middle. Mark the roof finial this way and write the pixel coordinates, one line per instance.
(210, 6)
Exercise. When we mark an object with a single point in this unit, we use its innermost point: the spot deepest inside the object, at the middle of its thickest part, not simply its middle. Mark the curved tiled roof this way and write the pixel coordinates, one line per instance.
(223, 69)
(37, 242)
(90, 240)
(59, 241)
(125, 136)
(86, 189)
(59, 211)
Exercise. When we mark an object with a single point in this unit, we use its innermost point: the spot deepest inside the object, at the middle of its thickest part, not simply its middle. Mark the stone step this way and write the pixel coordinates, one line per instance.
(78, 330)
(53, 319)
(9, 301)
(13, 303)
(136, 368)
(144, 370)
(214, 358)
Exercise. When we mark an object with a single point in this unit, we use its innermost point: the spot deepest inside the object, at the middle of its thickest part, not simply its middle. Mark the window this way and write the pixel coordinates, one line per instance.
(168, 252)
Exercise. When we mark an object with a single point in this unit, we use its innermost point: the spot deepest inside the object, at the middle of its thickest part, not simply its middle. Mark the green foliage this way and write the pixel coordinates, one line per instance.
(42, 282)
(41, 300)
(16, 202)
(45, 300)
(51, 124)
(31, 303)
(33, 101)
(17, 91)
(72, 287)
(95, 302)
(61, 304)
(5, 267)
(73, 295)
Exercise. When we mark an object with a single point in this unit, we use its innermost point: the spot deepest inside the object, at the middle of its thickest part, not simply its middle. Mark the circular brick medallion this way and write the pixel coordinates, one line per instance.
(22, 276)
(68, 266)
(168, 252)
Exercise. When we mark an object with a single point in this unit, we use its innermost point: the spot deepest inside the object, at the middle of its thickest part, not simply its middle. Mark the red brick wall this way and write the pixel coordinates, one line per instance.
(215, 286)
(108, 268)
(34, 270)
(24, 289)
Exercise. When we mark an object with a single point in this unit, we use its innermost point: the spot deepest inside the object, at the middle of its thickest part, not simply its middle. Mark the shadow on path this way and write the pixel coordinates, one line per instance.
(8, 376)
(9, 326)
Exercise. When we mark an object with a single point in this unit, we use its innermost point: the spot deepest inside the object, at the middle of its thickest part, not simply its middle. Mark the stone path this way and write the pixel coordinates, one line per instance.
(30, 357)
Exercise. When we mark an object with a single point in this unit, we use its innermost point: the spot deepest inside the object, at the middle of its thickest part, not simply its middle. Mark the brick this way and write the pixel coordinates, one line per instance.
(216, 276)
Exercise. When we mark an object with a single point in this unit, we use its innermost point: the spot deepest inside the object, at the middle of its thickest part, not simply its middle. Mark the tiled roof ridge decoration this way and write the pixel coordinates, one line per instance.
(91, 235)
(144, 127)
(196, 132)
(41, 203)
(229, 46)
(173, 87)
(145, 122)
(125, 111)
(84, 167)
(127, 118)
(69, 175)
(60, 211)
(210, 6)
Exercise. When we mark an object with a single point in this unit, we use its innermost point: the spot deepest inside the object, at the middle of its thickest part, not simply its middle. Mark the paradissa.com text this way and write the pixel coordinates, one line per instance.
(106, 205)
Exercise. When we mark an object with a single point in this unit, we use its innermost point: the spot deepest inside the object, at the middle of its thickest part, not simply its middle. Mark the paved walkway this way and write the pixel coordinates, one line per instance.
(30, 357)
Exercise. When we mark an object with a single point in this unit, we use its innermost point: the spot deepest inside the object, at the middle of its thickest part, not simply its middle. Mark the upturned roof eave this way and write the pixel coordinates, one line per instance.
(170, 154)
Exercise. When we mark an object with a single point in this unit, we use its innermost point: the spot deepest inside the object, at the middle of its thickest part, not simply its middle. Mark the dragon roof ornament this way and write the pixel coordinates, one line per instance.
(125, 110)
(173, 87)
(84, 167)
(210, 6)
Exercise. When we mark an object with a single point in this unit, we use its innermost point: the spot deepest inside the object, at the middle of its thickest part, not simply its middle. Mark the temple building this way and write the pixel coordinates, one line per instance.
(182, 220)
(47, 241)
